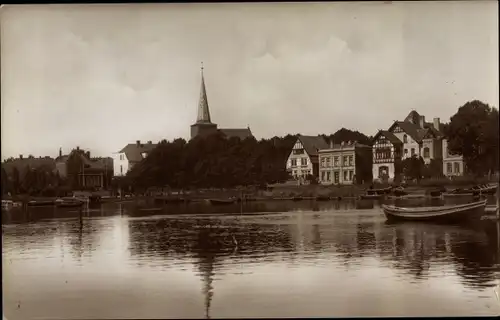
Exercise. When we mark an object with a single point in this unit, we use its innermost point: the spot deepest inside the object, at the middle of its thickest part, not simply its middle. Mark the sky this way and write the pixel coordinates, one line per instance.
(102, 76)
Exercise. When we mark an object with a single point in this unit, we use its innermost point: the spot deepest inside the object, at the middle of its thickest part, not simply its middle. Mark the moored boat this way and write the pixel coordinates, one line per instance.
(40, 203)
(454, 213)
(68, 203)
(371, 196)
(322, 198)
(221, 201)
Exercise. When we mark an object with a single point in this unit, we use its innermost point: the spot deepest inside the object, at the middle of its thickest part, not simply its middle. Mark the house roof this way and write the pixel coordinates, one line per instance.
(389, 136)
(355, 144)
(240, 133)
(411, 129)
(95, 163)
(133, 151)
(312, 144)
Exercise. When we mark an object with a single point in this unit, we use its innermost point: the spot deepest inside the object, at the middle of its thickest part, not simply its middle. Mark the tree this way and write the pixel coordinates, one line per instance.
(473, 133)
(413, 168)
(5, 182)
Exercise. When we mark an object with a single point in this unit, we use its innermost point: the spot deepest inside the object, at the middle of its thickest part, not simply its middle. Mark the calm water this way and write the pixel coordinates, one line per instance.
(280, 259)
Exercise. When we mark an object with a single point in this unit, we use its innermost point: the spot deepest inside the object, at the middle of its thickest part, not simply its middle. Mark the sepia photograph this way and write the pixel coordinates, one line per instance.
(250, 160)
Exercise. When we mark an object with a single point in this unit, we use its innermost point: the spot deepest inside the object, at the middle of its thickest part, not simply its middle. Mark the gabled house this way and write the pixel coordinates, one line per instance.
(303, 158)
(453, 164)
(130, 155)
(419, 137)
(387, 156)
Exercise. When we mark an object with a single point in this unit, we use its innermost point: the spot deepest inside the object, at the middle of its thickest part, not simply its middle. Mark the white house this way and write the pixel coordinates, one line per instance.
(453, 164)
(130, 155)
(303, 158)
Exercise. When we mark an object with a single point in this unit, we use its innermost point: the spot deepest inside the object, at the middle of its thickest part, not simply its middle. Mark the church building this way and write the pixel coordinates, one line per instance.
(204, 125)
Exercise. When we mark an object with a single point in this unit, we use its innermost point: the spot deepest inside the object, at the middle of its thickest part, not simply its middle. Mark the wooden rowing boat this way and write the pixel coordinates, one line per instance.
(455, 213)
(221, 201)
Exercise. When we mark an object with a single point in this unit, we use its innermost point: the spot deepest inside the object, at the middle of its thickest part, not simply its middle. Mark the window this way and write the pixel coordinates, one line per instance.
(448, 168)
(336, 176)
(345, 175)
(346, 159)
(350, 160)
(304, 161)
(405, 139)
(336, 161)
(323, 176)
(412, 152)
(122, 157)
(328, 161)
(328, 176)
(294, 162)
(121, 169)
(298, 151)
(457, 167)
(406, 152)
(323, 162)
(426, 152)
(351, 174)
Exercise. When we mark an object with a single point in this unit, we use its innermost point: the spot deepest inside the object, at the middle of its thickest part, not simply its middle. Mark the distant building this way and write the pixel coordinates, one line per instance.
(91, 172)
(387, 156)
(31, 162)
(453, 164)
(204, 125)
(347, 163)
(303, 158)
(130, 155)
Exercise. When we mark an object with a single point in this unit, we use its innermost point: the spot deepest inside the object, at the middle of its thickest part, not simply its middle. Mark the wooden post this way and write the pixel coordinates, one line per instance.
(498, 202)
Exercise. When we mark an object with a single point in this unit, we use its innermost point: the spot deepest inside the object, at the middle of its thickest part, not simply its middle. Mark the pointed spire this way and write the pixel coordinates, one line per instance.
(203, 112)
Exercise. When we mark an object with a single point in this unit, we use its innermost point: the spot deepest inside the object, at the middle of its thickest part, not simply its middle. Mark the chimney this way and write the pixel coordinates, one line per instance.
(331, 144)
(21, 156)
(150, 142)
(422, 121)
(138, 142)
(60, 152)
(77, 148)
(436, 123)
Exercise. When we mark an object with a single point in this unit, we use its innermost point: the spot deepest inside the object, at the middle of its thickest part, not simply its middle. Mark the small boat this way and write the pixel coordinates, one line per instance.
(379, 191)
(40, 203)
(435, 193)
(455, 213)
(68, 203)
(398, 192)
(371, 196)
(322, 198)
(221, 201)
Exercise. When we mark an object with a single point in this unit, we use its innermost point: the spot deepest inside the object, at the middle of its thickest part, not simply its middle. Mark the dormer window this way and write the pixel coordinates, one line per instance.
(144, 155)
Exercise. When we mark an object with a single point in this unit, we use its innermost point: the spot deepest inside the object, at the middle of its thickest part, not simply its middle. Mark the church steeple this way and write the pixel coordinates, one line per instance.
(203, 112)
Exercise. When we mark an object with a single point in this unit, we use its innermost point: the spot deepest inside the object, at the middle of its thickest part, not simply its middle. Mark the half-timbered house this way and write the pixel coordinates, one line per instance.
(387, 156)
(303, 158)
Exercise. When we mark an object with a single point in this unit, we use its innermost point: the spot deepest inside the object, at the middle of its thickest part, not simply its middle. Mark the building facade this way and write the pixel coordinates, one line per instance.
(387, 157)
(130, 155)
(303, 158)
(204, 125)
(453, 164)
(347, 163)
(83, 171)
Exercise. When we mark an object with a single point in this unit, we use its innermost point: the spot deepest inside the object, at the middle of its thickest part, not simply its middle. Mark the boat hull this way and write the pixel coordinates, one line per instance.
(468, 212)
(220, 202)
(371, 196)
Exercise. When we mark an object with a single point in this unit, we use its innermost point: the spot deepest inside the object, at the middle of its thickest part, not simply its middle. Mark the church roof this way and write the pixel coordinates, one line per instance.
(203, 111)
(240, 133)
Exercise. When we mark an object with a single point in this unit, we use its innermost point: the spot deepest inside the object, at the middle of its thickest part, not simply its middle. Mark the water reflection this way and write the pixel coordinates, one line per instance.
(337, 241)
